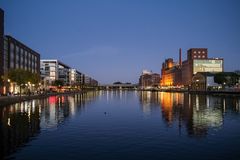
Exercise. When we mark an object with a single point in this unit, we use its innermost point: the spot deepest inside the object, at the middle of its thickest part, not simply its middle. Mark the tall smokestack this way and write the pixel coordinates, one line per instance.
(180, 57)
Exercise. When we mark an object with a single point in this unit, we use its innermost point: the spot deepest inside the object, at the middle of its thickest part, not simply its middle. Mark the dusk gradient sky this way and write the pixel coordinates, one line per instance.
(114, 40)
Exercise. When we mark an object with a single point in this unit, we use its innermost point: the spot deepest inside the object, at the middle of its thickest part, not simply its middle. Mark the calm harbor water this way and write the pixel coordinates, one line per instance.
(122, 125)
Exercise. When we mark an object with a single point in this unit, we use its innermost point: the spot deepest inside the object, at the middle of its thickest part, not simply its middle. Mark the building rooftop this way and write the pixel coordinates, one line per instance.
(22, 45)
(55, 60)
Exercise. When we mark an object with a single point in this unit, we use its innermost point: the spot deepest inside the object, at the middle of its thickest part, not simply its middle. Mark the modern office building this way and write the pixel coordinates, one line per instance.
(17, 55)
(203, 81)
(75, 77)
(149, 80)
(198, 61)
(52, 70)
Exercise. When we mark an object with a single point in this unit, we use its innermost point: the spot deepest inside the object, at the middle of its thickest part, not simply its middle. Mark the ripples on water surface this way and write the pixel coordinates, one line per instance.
(122, 125)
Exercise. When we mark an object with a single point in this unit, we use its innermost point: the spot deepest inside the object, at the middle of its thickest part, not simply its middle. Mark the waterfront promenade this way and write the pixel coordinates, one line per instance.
(7, 100)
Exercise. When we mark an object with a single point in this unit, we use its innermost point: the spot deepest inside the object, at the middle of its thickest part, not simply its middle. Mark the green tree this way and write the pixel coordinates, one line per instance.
(33, 78)
(232, 79)
(58, 83)
(219, 78)
(21, 77)
(18, 76)
(226, 78)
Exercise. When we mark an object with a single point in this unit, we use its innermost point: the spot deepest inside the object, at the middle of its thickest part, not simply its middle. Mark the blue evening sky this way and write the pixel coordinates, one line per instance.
(114, 40)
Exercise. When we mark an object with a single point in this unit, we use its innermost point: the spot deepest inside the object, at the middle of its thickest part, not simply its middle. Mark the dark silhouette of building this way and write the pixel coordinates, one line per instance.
(20, 56)
(1, 42)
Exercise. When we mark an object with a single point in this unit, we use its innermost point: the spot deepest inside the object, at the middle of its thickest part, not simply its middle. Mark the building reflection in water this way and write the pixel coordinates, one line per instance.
(149, 101)
(20, 122)
(197, 113)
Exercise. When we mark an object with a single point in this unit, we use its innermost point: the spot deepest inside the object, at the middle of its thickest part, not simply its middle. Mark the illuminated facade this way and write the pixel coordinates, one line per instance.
(207, 65)
(52, 70)
(181, 73)
(75, 77)
(171, 72)
(18, 56)
(198, 61)
(203, 81)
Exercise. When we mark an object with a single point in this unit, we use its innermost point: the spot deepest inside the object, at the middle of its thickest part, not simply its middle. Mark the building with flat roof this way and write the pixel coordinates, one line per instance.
(15, 55)
(52, 70)
(203, 81)
(75, 77)
(88, 81)
(149, 80)
(181, 73)
(19, 56)
(198, 61)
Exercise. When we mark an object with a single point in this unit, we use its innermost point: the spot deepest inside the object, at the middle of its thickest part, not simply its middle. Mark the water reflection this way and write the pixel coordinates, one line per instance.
(20, 122)
(196, 113)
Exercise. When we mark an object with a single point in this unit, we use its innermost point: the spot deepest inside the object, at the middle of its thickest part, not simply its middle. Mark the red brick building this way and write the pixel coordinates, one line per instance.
(181, 73)
(149, 80)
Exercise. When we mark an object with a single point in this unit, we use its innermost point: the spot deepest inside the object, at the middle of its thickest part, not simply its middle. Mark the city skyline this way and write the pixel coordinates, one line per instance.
(116, 40)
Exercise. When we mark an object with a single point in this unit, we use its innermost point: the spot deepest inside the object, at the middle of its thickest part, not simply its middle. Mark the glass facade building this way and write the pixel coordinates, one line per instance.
(52, 70)
(207, 65)
(198, 61)
(17, 55)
